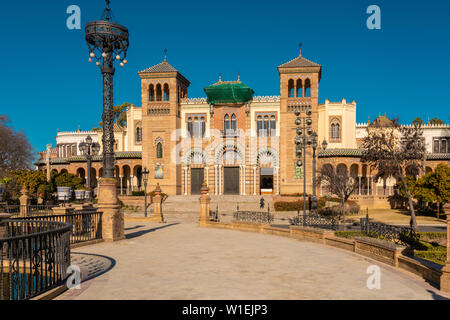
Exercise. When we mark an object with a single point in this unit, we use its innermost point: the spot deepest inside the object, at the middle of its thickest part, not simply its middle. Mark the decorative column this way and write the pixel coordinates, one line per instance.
(445, 277)
(359, 185)
(132, 183)
(121, 185)
(24, 202)
(157, 205)
(204, 205)
(113, 228)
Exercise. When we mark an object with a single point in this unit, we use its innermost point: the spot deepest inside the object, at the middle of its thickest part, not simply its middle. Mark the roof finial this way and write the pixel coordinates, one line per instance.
(79, 128)
(220, 77)
(300, 48)
(165, 55)
(107, 12)
(239, 77)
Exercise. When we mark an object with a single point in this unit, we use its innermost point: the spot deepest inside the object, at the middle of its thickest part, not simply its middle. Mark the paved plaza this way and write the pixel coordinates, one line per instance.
(179, 260)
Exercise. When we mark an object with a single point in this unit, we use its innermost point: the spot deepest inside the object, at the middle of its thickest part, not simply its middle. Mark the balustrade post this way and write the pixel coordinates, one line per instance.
(157, 205)
(204, 204)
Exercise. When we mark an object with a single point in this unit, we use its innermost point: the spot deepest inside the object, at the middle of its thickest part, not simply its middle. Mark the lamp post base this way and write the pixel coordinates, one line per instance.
(113, 226)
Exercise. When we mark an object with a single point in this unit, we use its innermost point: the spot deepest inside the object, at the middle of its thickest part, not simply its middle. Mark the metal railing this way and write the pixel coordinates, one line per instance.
(86, 225)
(34, 258)
(396, 234)
(315, 221)
(253, 217)
(28, 210)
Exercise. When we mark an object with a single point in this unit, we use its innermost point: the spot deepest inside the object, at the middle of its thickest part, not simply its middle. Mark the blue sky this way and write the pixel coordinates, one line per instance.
(47, 84)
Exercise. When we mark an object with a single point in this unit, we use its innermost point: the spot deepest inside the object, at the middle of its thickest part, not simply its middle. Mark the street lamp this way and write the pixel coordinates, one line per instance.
(107, 41)
(145, 174)
(88, 148)
(306, 138)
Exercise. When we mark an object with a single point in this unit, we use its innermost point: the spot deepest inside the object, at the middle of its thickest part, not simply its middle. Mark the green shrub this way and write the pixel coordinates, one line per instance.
(349, 234)
(436, 256)
(138, 193)
(290, 206)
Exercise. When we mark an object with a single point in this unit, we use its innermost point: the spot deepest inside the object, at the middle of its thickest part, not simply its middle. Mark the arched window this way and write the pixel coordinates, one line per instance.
(159, 150)
(203, 126)
(335, 130)
(138, 134)
(291, 88)
(308, 88)
(190, 127)
(226, 123)
(266, 125)
(151, 93)
(233, 122)
(158, 92)
(166, 92)
(259, 125)
(196, 127)
(273, 126)
(299, 88)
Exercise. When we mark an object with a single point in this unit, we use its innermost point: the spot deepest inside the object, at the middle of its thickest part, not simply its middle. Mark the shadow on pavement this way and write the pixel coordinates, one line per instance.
(132, 228)
(143, 232)
(96, 266)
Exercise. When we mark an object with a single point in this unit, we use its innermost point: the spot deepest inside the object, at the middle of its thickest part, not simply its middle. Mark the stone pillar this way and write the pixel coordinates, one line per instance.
(113, 228)
(359, 185)
(157, 205)
(204, 205)
(24, 202)
(132, 180)
(445, 278)
(121, 185)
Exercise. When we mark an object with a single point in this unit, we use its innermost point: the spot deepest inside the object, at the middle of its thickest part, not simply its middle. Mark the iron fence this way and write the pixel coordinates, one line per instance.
(28, 210)
(253, 217)
(34, 258)
(396, 234)
(86, 225)
(315, 221)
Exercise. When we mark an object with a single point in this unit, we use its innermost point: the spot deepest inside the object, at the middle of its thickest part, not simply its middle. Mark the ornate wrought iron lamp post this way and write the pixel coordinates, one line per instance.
(145, 174)
(88, 148)
(107, 41)
(306, 138)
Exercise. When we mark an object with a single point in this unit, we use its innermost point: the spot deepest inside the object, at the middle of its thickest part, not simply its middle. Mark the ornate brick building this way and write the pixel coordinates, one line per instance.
(237, 142)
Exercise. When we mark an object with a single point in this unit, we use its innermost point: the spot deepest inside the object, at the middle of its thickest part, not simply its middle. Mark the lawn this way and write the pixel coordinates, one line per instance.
(393, 216)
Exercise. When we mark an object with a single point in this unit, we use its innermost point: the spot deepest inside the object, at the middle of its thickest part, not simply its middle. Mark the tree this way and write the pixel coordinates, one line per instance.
(418, 121)
(32, 181)
(15, 150)
(435, 186)
(390, 150)
(339, 182)
(120, 116)
(436, 121)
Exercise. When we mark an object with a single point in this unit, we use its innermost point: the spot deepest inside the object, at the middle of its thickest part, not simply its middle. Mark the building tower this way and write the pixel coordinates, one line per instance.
(162, 87)
(299, 86)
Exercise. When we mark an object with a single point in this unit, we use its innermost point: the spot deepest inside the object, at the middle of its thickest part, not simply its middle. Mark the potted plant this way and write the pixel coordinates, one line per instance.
(65, 183)
(80, 194)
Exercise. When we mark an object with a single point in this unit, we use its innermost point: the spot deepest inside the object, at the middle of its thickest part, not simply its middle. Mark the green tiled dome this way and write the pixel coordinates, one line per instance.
(229, 92)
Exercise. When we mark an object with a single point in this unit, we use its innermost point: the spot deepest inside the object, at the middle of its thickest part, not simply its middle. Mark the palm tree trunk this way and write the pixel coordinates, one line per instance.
(411, 205)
